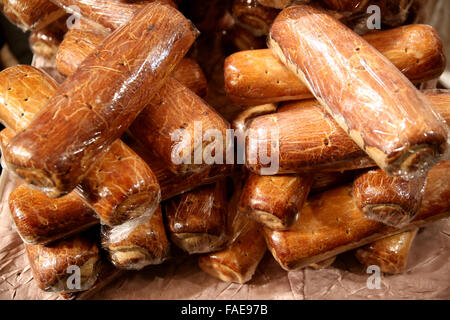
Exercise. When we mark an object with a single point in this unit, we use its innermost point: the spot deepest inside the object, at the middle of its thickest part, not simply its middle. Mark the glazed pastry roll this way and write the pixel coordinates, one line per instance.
(44, 42)
(253, 16)
(275, 201)
(136, 244)
(327, 180)
(79, 43)
(390, 253)
(98, 102)
(119, 187)
(308, 138)
(31, 14)
(330, 223)
(351, 6)
(40, 219)
(366, 94)
(391, 200)
(258, 77)
(239, 260)
(197, 219)
(241, 121)
(110, 14)
(66, 265)
(182, 129)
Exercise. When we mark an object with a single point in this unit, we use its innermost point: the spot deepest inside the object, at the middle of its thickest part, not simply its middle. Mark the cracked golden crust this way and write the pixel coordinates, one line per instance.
(391, 200)
(257, 76)
(144, 244)
(79, 43)
(110, 14)
(275, 201)
(357, 85)
(40, 219)
(97, 103)
(390, 253)
(50, 264)
(176, 108)
(330, 223)
(31, 14)
(197, 219)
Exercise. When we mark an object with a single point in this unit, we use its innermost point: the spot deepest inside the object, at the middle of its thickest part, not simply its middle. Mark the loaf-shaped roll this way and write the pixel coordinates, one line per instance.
(275, 201)
(239, 260)
(97, 103)
(390, 254)
(119, 187)
(45, 42)
(110, 14)
(179, 127)
(136, 244)
(40, 219)
(253, 16)
(197, 219)
(391, 200)
(173, 184)
(366, 95)
(308, 138)
(279, 4)
(330, 223)
(258, 77)
(327, 180)
(79, 43)
(31, 14)
(67, 265)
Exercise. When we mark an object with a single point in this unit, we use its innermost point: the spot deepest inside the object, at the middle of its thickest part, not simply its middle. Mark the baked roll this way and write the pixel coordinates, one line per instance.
(67, 265)
(54, 158)
(368, 97)
(197, 219)
(136, 244)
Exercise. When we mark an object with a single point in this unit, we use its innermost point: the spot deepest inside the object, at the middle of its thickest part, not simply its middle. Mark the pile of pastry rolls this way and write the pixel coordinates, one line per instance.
(361, 151)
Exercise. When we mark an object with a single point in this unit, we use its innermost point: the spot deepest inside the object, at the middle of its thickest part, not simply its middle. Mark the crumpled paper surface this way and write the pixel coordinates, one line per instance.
(427, 275)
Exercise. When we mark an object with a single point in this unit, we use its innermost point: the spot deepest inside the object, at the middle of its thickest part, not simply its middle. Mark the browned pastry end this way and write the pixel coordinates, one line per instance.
(391, 200)
(330, 223)
(275, 201)
(31, 14)
(197, 219)
(376, 104)
(119, 187)
(79, 43)
(279, 4)
(241, 121)
(55, 266)
(110, 14)
(327, 180)
(133, 246)
(168, 127)
(40, 219)
(44, 42)
(258, 77)
(390, 253)
(253, 16)
(239, 260)
(309, 139)
(98, 102)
